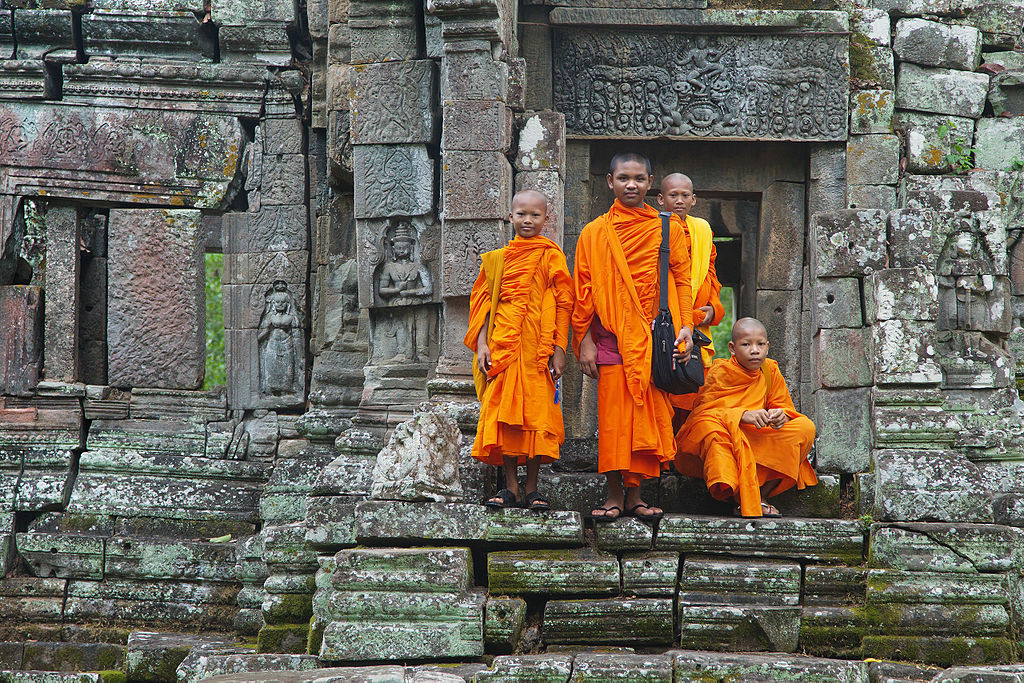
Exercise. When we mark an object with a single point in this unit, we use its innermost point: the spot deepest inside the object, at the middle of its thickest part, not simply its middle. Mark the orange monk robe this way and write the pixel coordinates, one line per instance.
(518, 413)
(617, 281)
(706, 288)
(734, 459)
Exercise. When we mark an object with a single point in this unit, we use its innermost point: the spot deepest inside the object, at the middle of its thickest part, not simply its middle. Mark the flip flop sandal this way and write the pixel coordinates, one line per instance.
(535, 501)
(653, 517)
(508, 500)
(602, 518)
(769, 510)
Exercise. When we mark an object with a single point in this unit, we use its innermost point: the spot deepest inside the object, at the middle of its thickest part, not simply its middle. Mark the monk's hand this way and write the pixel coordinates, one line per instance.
(757, 418)
(709, 314)
(556, 364)
(684, 339)
(483, 358)
(588, 356)
(778, 417)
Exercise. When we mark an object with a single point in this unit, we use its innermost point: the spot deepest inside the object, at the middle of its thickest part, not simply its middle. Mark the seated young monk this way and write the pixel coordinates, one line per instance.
(677, 196)
(617, 292)
(744, 437)
(519, 312)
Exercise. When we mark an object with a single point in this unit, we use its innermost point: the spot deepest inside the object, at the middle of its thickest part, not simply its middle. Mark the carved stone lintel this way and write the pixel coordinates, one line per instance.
(643, 84)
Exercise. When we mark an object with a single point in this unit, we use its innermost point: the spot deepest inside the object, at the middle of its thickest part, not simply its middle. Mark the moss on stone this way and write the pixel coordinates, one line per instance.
(290, 608)
(939, 651)
(316, 637)
(862, 62)
(112, 676)
(283, 638)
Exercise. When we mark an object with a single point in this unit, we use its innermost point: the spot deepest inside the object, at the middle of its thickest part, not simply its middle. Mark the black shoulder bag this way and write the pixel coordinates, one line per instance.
(667, 373)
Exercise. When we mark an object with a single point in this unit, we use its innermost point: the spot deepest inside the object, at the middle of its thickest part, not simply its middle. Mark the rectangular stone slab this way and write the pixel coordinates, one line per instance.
(62, 555)
(401, 522)
(624, 534)
(151, 602)
(525, 527)
(804, 539)
(940, 651)
(834, 585)
(739, 628)
(650, 574)
(710, 581)
(893, 585)
(155, 558)
(45, 480)
(21, 350)
(503, 623)
(331, 521)
(348, 641)
(438, 570)
(156, 307)
(640, 621)
(555, 572)
(954, 547)
(649, 668)
(546, 668)
(722, 666)
(382, 606)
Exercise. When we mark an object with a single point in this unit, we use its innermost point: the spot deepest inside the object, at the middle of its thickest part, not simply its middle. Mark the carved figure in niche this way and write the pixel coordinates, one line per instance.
(280, 342)
(966, 280)
(403, 280)
(403, 335)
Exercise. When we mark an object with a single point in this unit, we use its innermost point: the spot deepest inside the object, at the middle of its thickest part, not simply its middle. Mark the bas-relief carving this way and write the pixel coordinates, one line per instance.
(972, 296)
(280, 344)
(633, 83)
(403, 335)
(397, 261)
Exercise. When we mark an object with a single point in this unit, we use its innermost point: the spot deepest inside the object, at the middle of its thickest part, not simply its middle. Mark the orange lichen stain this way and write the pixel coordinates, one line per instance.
(177, 201)
(933, 157)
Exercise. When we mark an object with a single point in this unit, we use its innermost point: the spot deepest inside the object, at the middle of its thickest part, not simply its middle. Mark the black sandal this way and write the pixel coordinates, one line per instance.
(535, 501)
(605, 518)
(508, 500)
(653, 517)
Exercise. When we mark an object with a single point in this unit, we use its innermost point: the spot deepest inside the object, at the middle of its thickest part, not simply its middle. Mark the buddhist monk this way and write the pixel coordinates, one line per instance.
(520, 309)
(617, 283)
(677, 196)
(744, 437)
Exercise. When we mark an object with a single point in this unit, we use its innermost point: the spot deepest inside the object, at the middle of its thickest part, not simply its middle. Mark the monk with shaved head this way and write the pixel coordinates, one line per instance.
(677, 196)
(744, 437)
(519, 313)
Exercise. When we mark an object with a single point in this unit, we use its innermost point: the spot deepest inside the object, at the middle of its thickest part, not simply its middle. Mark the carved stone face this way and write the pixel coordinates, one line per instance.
(403, 248)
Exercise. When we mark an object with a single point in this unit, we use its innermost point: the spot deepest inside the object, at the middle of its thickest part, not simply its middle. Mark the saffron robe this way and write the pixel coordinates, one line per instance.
(735, 459)
(706, 288)
(617, 282)
(527, 284)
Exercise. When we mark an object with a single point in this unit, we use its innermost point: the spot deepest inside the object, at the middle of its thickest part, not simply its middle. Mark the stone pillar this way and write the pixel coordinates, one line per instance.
(479, 98)
(21, 338)
(62, 294)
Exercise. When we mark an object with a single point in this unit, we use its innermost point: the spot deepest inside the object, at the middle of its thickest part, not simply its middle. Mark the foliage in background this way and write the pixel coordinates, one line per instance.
(215, 374)
(960, 156)
(722, 333)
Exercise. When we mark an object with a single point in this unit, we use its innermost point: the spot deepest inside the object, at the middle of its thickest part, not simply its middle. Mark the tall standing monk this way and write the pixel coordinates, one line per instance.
(677, 196)
(744, 436)
(617, 282)
(519, 313)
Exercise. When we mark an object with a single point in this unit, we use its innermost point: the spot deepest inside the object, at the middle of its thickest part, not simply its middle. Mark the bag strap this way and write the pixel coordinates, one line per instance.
(663, 256)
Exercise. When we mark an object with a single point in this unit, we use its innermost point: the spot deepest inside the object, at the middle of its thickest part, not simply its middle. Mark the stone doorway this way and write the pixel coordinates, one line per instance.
(754, 196)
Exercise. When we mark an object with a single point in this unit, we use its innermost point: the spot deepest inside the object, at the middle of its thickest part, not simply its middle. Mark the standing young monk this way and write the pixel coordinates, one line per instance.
(526, 288)
(744, 435)
(617, 281)
(677, 196)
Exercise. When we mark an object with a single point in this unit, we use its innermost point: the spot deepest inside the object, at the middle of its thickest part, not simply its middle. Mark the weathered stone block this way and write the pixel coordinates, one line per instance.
(835, 302)
(843, 421)
(944, 651)
(526, 527)
(541, 142)
(62, 306)
(624, 534)
(767, 667)
(650, 574)
(548, 668)
(447, 570)
(558, 572)
(929, 486)
(154, 558)
(404, 180)
(931, 43)
(834, 585)
(1006, 91)
(394, 102)
(383, 31)
(272, 228)
(781, 237)
(941, 91)
(476, 125)
(998, 20)
(902, 294)
(927, 150)
(639, 621)
(841, 358)
(421, 460)
(718, 582)
(871, 111)
(739, 628)
(998, 142)
(878, 67)
(151, 656)
(847, 243)
(810, 539)
(462, 242)
(30, 599)
(468, 72)
(400, 522)
(871, 197)
(503, 623)
(873, 23)
(873, 159)
(21, 338)
(155, 301)
(956, 547)
(65, 657)
(477, 185)
(930, 587)
(905, 353)
(65, 556)
(780, 311)
(616, 667)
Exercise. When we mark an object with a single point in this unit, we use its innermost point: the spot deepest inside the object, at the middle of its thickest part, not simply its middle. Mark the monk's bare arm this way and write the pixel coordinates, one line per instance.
(588, 356)
(483, 352)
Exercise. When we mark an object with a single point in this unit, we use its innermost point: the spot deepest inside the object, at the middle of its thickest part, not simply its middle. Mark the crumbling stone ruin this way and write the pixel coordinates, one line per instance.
(348, 160)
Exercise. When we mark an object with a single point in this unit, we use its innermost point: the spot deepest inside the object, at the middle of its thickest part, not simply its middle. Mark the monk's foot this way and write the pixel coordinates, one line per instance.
(645, 512)
(606, 513)
(503, 499)
(535, 501)
(767, 510)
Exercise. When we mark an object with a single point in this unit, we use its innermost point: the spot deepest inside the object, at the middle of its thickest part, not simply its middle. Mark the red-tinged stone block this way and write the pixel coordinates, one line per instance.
(21, 338)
